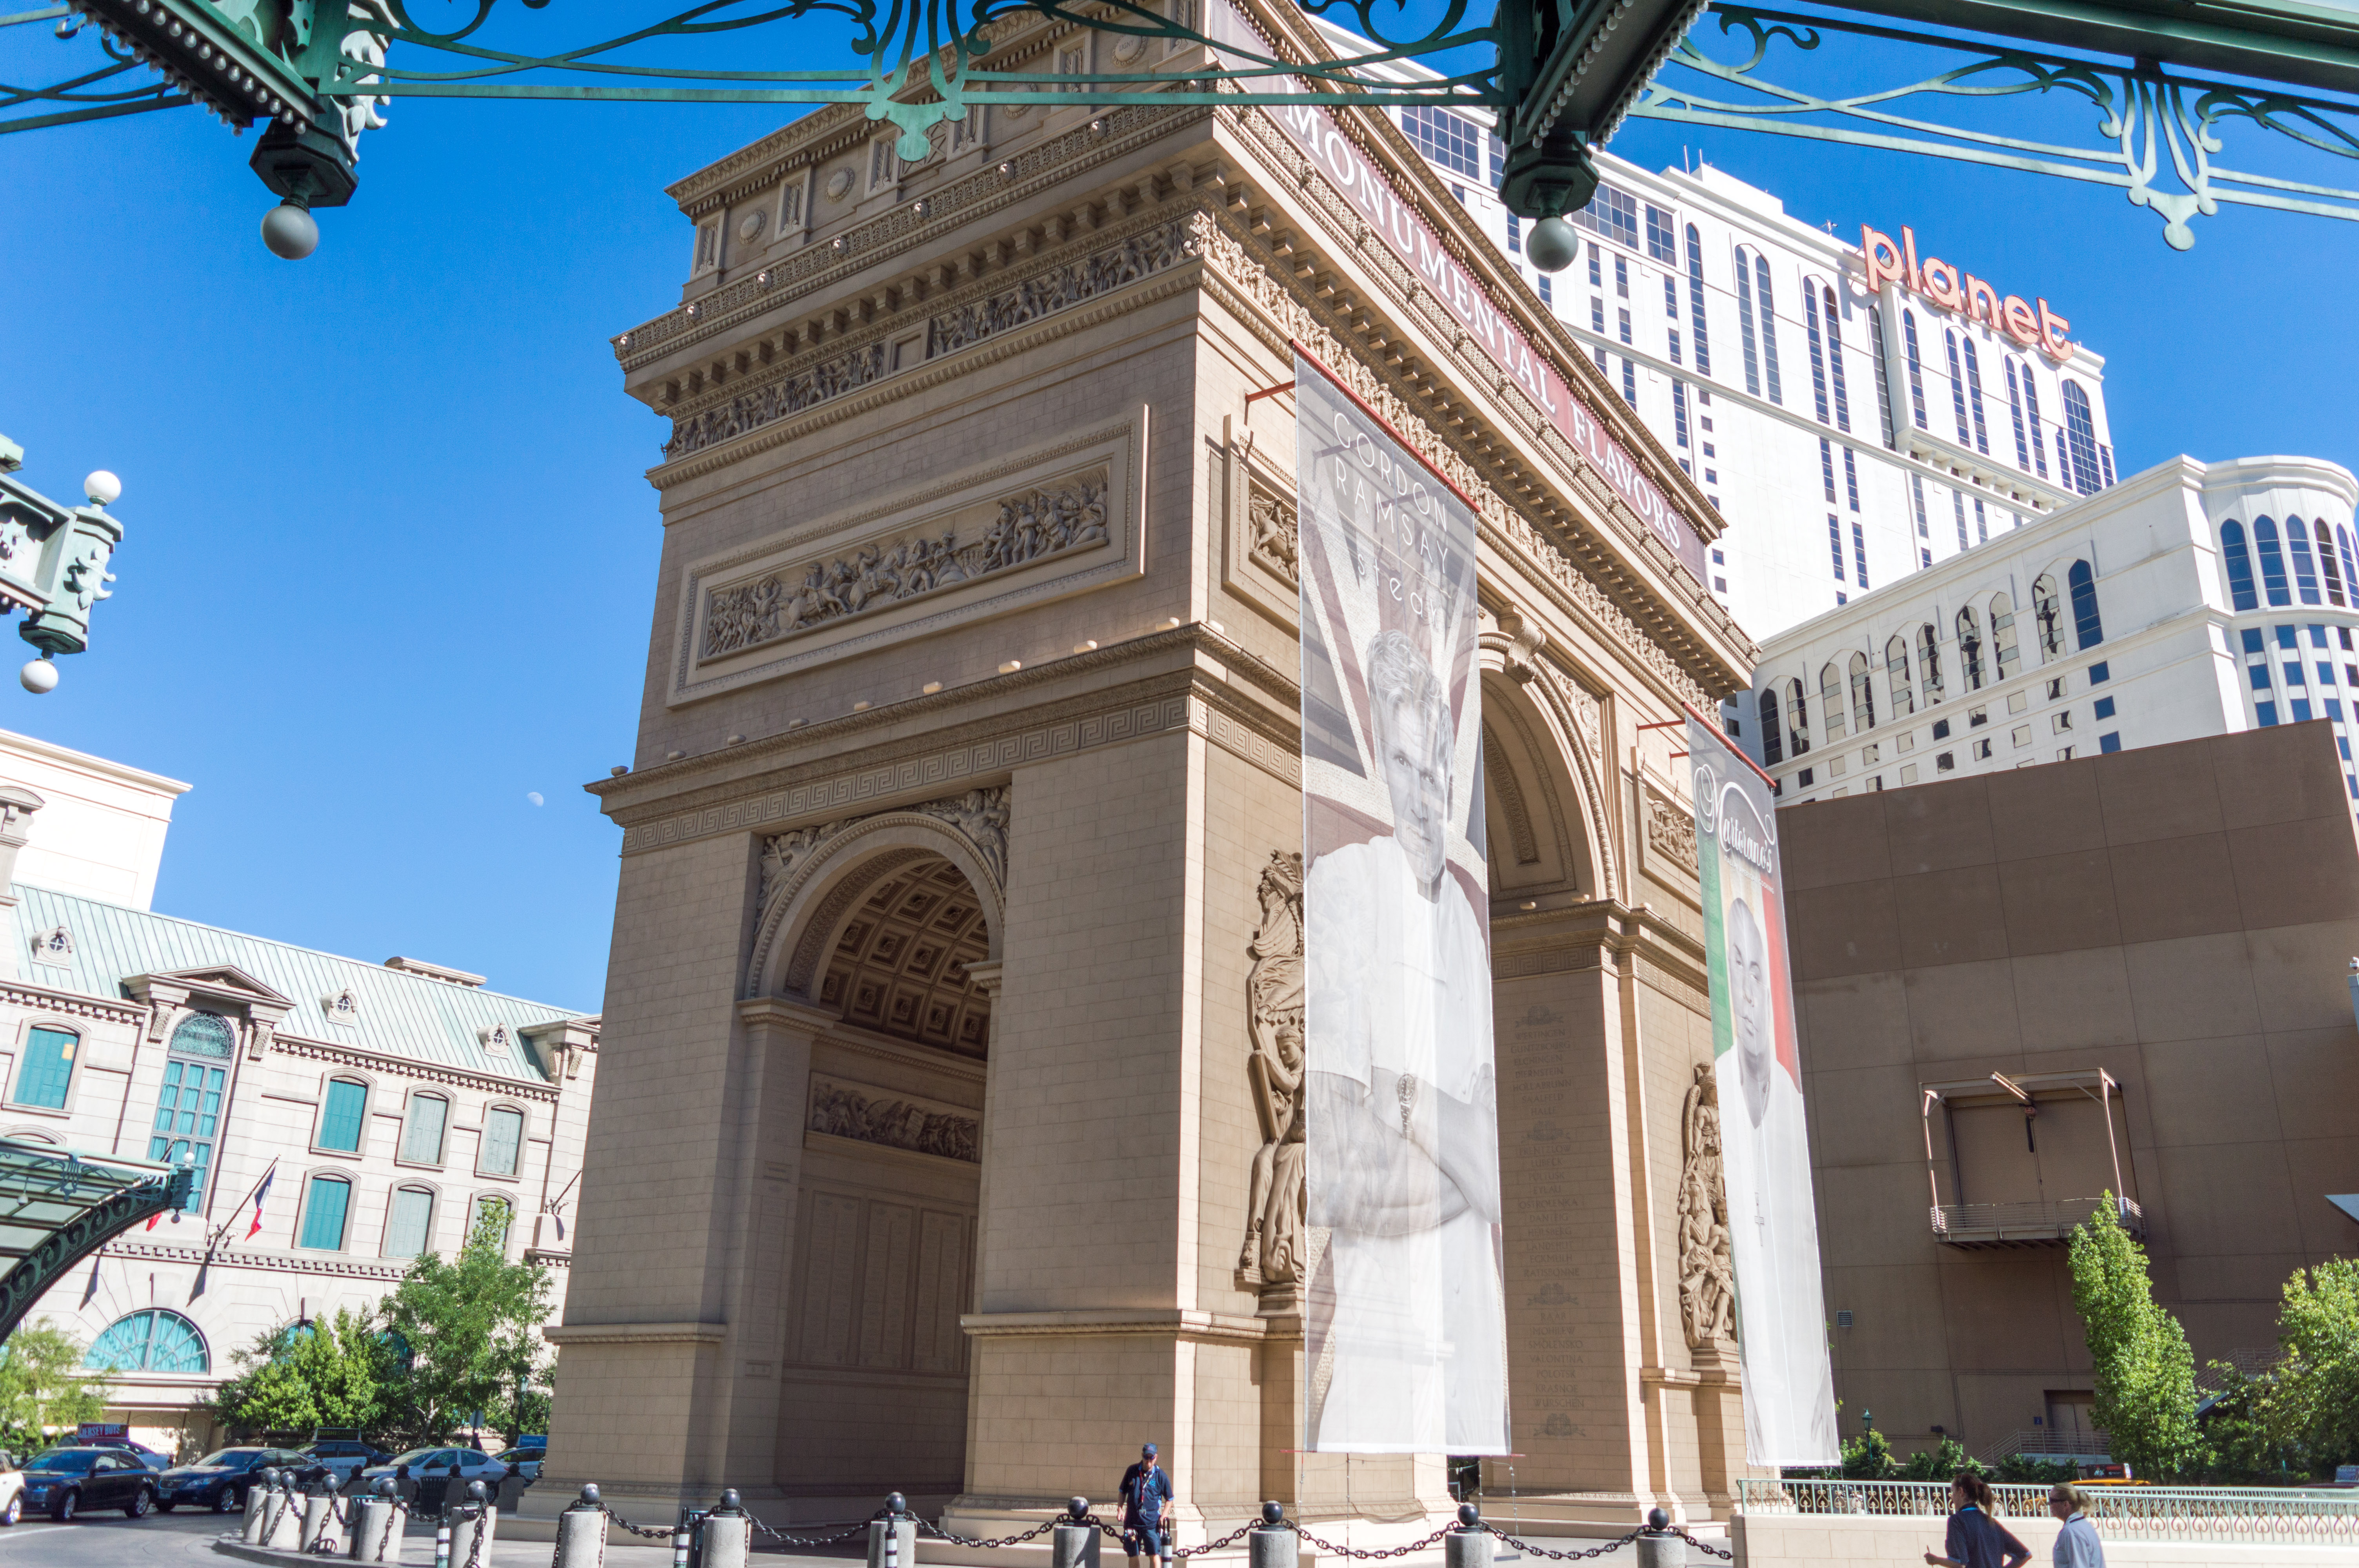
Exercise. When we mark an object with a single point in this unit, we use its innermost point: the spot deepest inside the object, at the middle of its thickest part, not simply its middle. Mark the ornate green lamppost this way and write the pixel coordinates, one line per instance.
(53, 560)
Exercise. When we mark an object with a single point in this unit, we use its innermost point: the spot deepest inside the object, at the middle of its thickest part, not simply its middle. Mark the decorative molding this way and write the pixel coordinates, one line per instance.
(1707, 1274)
(1273, 532)
(343, 1007)
(637, 1333)
(1276, 1230)
(1207, 1327)
(411, 1067)
(73, 1003)
(783, 853)
(273, 1262)
(1670, 832)
(980, 816)
(864, 1114)
(54, 948)
(1133, 259)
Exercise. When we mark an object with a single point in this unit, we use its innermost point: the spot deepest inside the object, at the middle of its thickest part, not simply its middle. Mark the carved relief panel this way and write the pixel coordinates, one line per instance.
(1276, 1235)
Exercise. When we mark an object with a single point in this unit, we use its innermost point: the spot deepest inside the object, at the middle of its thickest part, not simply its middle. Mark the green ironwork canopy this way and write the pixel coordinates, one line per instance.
(2158, 81)
(58, 1207)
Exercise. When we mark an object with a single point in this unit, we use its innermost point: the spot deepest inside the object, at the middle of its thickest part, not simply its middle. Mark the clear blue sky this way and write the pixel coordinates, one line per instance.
(391, 557)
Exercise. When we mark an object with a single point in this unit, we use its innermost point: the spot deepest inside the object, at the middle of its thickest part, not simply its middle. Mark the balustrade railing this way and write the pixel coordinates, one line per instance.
(2256, 1515)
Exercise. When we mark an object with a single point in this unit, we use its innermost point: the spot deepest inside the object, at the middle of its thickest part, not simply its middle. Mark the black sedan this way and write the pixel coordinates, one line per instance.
(66, 1481)
(219, 1480)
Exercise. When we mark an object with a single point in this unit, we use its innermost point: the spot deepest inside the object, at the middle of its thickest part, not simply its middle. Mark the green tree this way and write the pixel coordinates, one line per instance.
(304, 1376)
(1868, 1457)
(2144, 1372)
(1941, 1462)
(472, 1329)
(2313, 1407)
(44, 1387)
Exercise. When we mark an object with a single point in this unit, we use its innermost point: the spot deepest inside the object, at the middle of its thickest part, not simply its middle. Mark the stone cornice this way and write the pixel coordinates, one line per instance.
(1602, 929)
(637, 1333)
(273, 1262)
(411, 1067)
(46, 999)
(1162, 1323)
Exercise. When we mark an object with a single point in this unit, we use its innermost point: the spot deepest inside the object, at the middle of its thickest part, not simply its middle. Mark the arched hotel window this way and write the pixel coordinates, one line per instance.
(344, 1114)
(2239, 561)
(189, 1102)
(1769, 325)
(2305, 571)
(1695, 303)
(2349, 561)
(422, 1131)
(1744, 324)
(493, 1209)
(1957, 388)
(1863, 696)
(1916, 369)
(150, 1341)
(45, 1068)
(1974, 396)
(2080, 429)
(408, 1221)
(503, 1144)
(1970, 649)
(2087, 629)
(205, 1035)
(1773, 736)
(2273, 572)
(2031, 413)
(327, 1205)
(1797, 719)
(2049, 612)
(2326, 564)
(2010, 657)
(1818, 351)
(1896, 665)
(2014, 412)
(1928, 661)
(1882, 376)
(1830, 702)
(1834, 359)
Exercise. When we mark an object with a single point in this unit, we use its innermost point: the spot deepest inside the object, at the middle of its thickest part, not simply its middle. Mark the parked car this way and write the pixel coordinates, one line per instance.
(524, 1462)
(66, 1481)
(219, 1480)
(12, 1490)
(437, 1469)
(335, 1459)
(146, 1455)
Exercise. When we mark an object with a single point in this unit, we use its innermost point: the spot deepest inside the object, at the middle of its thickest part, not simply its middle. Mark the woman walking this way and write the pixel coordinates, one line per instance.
(1977, 1539)
(2077, 1545)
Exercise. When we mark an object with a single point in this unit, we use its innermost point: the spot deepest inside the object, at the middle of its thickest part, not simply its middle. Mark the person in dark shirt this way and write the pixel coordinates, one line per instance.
(1146, 1497)
(1976, 1540)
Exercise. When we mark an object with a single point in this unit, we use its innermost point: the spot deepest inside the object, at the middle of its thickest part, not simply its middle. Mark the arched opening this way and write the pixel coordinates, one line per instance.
(899, 965)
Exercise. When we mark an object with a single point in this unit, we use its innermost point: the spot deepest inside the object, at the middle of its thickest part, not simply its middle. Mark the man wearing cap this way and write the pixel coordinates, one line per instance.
(1145, 1492)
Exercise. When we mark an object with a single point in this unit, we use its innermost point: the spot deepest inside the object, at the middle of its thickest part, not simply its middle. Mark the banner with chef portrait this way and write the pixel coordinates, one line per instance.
(1407, 1335)
(1773, 1229)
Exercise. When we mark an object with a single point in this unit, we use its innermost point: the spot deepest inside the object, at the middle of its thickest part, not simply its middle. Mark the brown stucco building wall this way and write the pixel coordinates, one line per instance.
(2181, 917)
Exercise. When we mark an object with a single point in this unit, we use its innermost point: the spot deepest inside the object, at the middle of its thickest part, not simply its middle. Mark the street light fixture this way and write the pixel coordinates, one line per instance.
(53, 561)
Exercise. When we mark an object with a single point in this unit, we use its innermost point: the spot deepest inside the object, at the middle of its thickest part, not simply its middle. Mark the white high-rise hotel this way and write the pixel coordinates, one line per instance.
(1856, 417)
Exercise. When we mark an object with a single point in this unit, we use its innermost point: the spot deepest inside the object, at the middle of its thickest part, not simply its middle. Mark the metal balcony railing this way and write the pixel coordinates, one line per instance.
(1995, 1226)
(2048, 1443)
(2253, 1515)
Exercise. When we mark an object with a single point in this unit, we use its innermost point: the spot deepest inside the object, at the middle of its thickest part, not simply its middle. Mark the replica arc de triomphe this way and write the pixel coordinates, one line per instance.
(940, 1141)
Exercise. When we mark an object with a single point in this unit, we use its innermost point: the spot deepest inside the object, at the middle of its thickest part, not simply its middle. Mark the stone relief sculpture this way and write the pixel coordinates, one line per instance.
(844, 1111)
(1707, 1277)
(1058, 288)
(782, 852)
(1670, 832)
(979, 815)
(1030, 526)
(1274, 1235)
(1275, 533)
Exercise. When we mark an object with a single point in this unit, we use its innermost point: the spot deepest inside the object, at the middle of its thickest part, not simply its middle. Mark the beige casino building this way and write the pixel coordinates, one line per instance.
(959, 877)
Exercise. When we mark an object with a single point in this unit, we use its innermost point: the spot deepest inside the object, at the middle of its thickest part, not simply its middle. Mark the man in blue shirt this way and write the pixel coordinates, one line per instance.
(1146, 1497)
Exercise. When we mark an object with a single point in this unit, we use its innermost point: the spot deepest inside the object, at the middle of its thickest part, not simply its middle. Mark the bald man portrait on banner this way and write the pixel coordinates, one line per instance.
(1404, 1164)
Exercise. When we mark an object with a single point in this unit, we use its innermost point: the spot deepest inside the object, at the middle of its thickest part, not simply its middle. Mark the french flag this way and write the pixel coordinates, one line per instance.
(260, 1194)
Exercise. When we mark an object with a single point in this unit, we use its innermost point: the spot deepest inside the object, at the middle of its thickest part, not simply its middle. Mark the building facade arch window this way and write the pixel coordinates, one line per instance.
(191, 1101)
(1883, 377)
(1760, 337)
(45, 1058)
(2015, 413)
(1970, 649)
(1696, 321)
(425, 1124)
(1820, 396)
(1916, 369)
(1928, 661)
(1798, 719)
(1895, 667)
(207, 1034)
(2048, 614)
(1835, 358)
(408, 1220)
(2327, 566)
(2088, 629)
(2350, 560)
(327, 1212)
(1974, 396)
(2274, 582)
(496, 1209)
(152, 1340)
(2080, 432)
(2002, 644)
(2031, 417)
(343, 1125)
(2238, 560)
(1773, 734)
(2305, 571)
(1863, 697)
(1957, 385)
(500, 1150)
(1830, 701)
(29, 1135)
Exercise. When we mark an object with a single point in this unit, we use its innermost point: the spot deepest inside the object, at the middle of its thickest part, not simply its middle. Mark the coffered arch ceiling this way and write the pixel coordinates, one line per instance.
(898, 968)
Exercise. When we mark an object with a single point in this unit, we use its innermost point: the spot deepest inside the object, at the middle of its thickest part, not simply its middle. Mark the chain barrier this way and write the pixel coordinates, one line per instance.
(1372, 1551)
(854, 1534)
(1525, 1546)
(1709, 1550)
(1033, 1534)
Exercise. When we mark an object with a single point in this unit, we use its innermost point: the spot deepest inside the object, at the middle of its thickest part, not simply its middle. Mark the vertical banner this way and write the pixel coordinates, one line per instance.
(1407, 1332)
(1790, 1397)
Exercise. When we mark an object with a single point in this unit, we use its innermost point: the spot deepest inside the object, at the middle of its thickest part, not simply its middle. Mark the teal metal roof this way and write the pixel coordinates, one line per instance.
(400, 1015)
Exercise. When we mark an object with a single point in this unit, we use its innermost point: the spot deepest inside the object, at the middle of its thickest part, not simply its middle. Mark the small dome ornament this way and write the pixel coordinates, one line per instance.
(40, 676)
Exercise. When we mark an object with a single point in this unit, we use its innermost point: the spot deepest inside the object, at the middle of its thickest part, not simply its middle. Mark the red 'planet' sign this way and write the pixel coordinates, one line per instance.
(1941, 284)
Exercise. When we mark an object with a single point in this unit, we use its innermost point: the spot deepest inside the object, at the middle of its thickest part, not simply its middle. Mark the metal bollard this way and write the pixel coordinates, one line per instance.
(1167, 1553)
(1657, 1548)
(1470, 1545)
(379, 1524)
(725, 1536)
(1272, 1544)
(581, 1533)
(893, 1539)
(1074, 1544)
(443, 1542)
(285, 1532)
(258, 1508)
(318, 1520)
(476, 1518)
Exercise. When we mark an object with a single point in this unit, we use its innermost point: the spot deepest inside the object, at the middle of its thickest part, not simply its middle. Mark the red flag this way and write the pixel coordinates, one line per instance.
(261, 1193)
